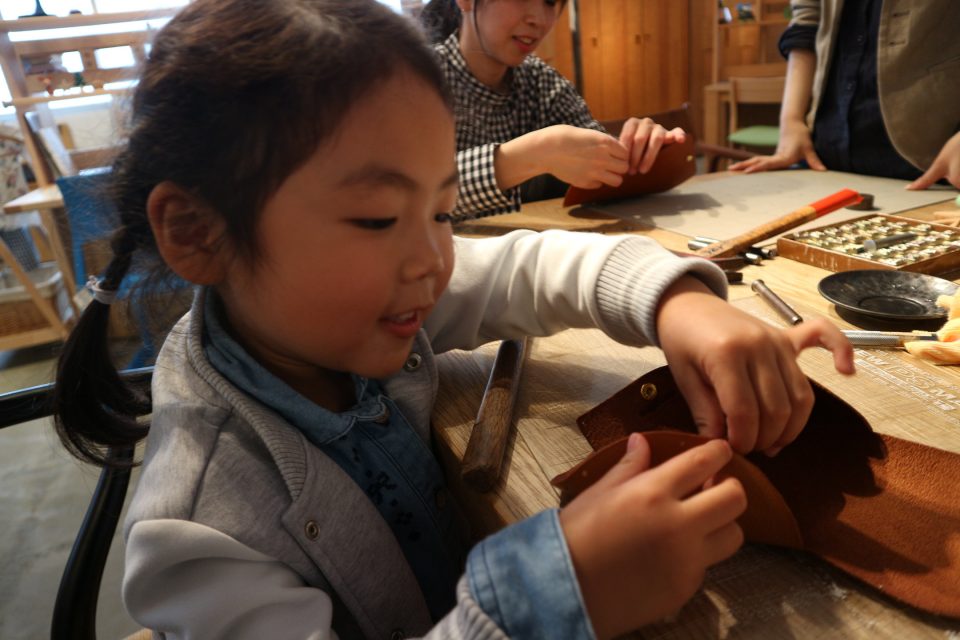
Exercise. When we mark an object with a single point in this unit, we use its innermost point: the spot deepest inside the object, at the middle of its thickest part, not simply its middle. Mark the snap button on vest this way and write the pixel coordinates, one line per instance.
(312, 529)
(397, 634)
(384, 417)
(648, 391)
(413, 362)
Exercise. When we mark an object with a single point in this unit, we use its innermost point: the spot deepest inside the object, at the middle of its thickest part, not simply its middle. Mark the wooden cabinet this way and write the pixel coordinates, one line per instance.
(634, 56)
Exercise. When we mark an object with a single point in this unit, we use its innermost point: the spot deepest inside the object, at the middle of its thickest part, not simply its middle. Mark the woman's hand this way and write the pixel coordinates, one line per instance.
(641, 539)
(582, 157)
(739, 374)
(945, 165)
(795, 144)
(643, 139)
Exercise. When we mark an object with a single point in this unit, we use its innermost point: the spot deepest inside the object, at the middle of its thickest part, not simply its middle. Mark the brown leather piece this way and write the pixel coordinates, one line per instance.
(674, 164)
(884, 510)
(769, 520)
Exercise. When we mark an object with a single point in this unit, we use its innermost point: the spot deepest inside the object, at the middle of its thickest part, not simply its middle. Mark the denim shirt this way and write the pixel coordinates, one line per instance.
(522, 576)
(376, 447)
(849, 133)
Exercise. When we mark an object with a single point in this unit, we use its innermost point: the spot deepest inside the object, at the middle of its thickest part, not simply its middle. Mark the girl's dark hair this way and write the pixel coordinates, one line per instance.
(234, 96)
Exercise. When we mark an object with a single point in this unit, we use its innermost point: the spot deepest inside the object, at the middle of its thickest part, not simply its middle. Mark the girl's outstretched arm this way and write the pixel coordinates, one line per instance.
(739, 374)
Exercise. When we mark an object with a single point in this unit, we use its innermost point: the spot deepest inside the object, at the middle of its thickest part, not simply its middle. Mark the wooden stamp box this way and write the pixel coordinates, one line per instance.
(876, 242)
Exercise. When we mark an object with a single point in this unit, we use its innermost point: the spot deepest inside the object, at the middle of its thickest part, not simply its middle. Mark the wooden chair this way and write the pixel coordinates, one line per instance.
(93, 218)
(681, 117)
(75, 607)
(754, 90)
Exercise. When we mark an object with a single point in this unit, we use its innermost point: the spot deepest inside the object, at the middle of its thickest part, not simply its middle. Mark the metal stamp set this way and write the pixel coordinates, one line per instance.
(876, 242)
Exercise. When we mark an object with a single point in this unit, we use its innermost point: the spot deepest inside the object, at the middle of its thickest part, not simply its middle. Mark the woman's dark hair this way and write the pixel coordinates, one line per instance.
(440, 18)
(234, 96)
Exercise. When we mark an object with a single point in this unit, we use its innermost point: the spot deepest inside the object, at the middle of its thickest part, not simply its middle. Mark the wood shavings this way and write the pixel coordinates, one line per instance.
(947, 350)
(949, 218)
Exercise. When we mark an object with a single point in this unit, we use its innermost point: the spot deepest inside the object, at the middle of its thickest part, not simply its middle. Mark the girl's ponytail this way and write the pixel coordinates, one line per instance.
(94, 409)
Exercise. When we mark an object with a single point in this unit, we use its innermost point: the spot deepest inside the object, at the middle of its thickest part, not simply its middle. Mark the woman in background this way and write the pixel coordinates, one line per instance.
(872, 87)
(523, 131)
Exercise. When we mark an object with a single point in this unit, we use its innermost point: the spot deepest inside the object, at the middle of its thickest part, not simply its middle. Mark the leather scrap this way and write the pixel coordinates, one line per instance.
(674, 164)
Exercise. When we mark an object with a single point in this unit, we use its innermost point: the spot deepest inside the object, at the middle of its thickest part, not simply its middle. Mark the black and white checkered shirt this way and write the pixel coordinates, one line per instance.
(539, 97)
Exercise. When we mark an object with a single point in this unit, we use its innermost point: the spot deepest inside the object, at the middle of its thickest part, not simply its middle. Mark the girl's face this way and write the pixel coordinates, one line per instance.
(356, 244)
(505, 31)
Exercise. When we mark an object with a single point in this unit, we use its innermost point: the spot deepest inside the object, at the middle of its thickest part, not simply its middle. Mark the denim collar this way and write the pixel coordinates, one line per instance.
(320, 425)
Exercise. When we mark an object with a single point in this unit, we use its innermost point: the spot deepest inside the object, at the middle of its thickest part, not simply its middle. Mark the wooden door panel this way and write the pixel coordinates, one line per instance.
(613, 51)
(590, 63)
(634, 56)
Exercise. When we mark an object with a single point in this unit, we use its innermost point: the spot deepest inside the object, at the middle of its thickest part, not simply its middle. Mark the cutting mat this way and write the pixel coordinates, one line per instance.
(728, 206)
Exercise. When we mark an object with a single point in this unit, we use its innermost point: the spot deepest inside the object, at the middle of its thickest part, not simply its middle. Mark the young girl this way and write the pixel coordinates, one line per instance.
(523, 131)
(277, 158)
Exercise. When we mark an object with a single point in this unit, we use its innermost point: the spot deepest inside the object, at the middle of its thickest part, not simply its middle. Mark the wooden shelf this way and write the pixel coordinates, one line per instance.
(67, 95)
(83, 20)
(29, 96)
(743, 45)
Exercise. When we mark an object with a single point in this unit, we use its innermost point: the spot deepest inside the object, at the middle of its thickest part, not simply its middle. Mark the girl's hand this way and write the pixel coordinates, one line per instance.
(641, 540)
(795, 144)
(945, 165)
(739, 374)
(643, 139)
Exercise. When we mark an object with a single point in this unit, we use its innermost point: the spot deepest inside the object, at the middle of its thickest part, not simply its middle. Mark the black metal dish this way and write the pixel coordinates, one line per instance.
(892, 295)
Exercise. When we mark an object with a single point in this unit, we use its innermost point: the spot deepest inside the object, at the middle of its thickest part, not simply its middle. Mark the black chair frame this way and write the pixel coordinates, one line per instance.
(75, 608)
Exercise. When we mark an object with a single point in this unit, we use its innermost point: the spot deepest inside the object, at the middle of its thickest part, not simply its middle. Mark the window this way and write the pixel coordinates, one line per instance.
(13, 9)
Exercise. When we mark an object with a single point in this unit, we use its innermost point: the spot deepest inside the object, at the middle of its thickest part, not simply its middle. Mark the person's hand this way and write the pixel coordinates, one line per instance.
(795, 144)
(641, 539)
(582, 157)
(945, 165)
(739, 374)
(643, 139)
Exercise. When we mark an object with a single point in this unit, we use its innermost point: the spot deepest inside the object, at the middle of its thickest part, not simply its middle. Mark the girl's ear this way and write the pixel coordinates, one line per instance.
(190, 235)
(466, 6)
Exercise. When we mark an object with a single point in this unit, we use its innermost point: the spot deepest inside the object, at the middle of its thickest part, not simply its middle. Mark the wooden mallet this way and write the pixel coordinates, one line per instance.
(491, 431)
(733, 246)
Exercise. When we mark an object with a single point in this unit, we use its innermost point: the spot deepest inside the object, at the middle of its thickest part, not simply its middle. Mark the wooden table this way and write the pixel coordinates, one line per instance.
(761, 592)
(47, 197)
